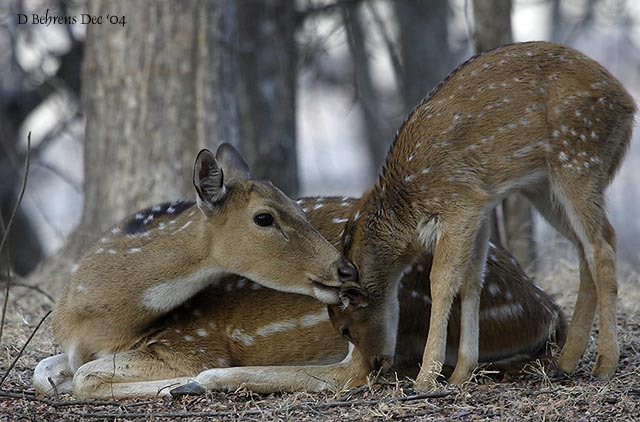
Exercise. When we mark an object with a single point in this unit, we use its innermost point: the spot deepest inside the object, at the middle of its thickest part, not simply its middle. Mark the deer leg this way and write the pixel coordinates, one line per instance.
(470, 310)
(134, 373)
(53, 374)
(585, 211)
(351, 372)
(581, 321)
(585, 308)
(452, 257)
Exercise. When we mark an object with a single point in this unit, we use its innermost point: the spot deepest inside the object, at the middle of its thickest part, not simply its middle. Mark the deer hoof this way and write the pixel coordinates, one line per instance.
(191, 389)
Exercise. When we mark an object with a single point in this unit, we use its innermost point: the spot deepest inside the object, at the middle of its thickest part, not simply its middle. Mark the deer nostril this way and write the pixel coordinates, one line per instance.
(347, 272)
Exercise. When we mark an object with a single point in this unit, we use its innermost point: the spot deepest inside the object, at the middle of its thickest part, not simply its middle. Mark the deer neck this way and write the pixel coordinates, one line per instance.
(164, 253)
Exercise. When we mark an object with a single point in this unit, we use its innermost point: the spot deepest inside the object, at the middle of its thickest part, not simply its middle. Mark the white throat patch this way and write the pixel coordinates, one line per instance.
(173, 293)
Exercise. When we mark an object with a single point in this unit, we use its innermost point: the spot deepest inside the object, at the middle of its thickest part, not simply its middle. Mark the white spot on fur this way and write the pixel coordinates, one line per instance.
(184, 226)
(340, 220)
(502, 312)
(494, 290)
(188, 338)
(74, 268)
(563, 157)
(242, 337)
(313, 319)
(134, 250)
(201, 332)
(277, 327)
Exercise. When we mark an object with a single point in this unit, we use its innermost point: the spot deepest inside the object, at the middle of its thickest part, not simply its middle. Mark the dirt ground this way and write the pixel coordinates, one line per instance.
(529, 394)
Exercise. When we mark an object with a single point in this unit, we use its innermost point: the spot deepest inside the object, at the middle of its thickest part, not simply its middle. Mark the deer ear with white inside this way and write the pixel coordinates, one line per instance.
(208, 179)
(232, 163)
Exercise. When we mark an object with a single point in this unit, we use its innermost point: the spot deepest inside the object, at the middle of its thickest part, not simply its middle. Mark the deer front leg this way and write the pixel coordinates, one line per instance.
(349, 373)
(133, 373)
(53, 375)
(452, 257)
(470, 311)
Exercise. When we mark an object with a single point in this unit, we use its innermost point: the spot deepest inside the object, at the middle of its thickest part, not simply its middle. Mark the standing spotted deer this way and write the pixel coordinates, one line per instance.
(538, 118)
(158, 258)
(236, 331)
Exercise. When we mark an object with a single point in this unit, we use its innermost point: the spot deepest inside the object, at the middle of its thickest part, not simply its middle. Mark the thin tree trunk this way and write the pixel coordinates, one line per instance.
(155, 91)
(493, 23)
(267, 90)
(378, 135)
(515, 231)
(423, 34)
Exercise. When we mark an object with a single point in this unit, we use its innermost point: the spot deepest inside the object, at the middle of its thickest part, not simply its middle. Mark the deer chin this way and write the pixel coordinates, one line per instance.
(325, 294)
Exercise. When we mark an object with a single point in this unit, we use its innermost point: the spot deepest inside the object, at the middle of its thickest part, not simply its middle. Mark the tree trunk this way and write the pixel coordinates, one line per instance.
(493, 23)
(155, 91)
(423, 32)
(267, 90)
(515, 230)
(378, 134)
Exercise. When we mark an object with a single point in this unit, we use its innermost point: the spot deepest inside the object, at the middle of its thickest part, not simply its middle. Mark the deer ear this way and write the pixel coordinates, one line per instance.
(354, 295)
(232, 163)
(208, 180)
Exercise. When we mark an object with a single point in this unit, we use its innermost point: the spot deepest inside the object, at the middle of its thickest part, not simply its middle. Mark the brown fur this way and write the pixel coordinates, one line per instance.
(228, 325)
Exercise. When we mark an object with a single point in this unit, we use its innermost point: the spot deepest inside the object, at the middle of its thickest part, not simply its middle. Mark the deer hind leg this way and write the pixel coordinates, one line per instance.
(584, 207)
(53, 375)
(133, 373)
(585, 307)
(469, 310)
(454, 254)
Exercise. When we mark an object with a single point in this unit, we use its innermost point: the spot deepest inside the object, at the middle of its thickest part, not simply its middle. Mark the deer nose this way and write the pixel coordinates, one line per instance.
(346, 271)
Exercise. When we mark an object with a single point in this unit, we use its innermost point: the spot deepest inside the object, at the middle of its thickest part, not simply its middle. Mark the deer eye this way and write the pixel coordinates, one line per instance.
(263, 219)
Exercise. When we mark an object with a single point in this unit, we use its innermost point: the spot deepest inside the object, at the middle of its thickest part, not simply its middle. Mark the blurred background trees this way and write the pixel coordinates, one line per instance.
(310, 91)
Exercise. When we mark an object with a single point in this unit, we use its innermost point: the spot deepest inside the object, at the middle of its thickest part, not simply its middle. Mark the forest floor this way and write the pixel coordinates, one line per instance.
(529, 394)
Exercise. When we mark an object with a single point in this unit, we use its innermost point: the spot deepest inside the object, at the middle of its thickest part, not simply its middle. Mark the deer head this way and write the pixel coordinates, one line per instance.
(262, 234)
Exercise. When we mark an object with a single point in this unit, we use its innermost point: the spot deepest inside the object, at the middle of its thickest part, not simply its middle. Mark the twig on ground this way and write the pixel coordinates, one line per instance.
(27, 395)
(24, 346)
(55, 388)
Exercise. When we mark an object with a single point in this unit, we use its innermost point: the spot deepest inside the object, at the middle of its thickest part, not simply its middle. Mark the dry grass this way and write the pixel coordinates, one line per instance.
(530, 394)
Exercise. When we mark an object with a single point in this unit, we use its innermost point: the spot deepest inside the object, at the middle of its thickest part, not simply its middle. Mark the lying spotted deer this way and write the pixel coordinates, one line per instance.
(538, 118)
(239, 328)
(158, 258)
